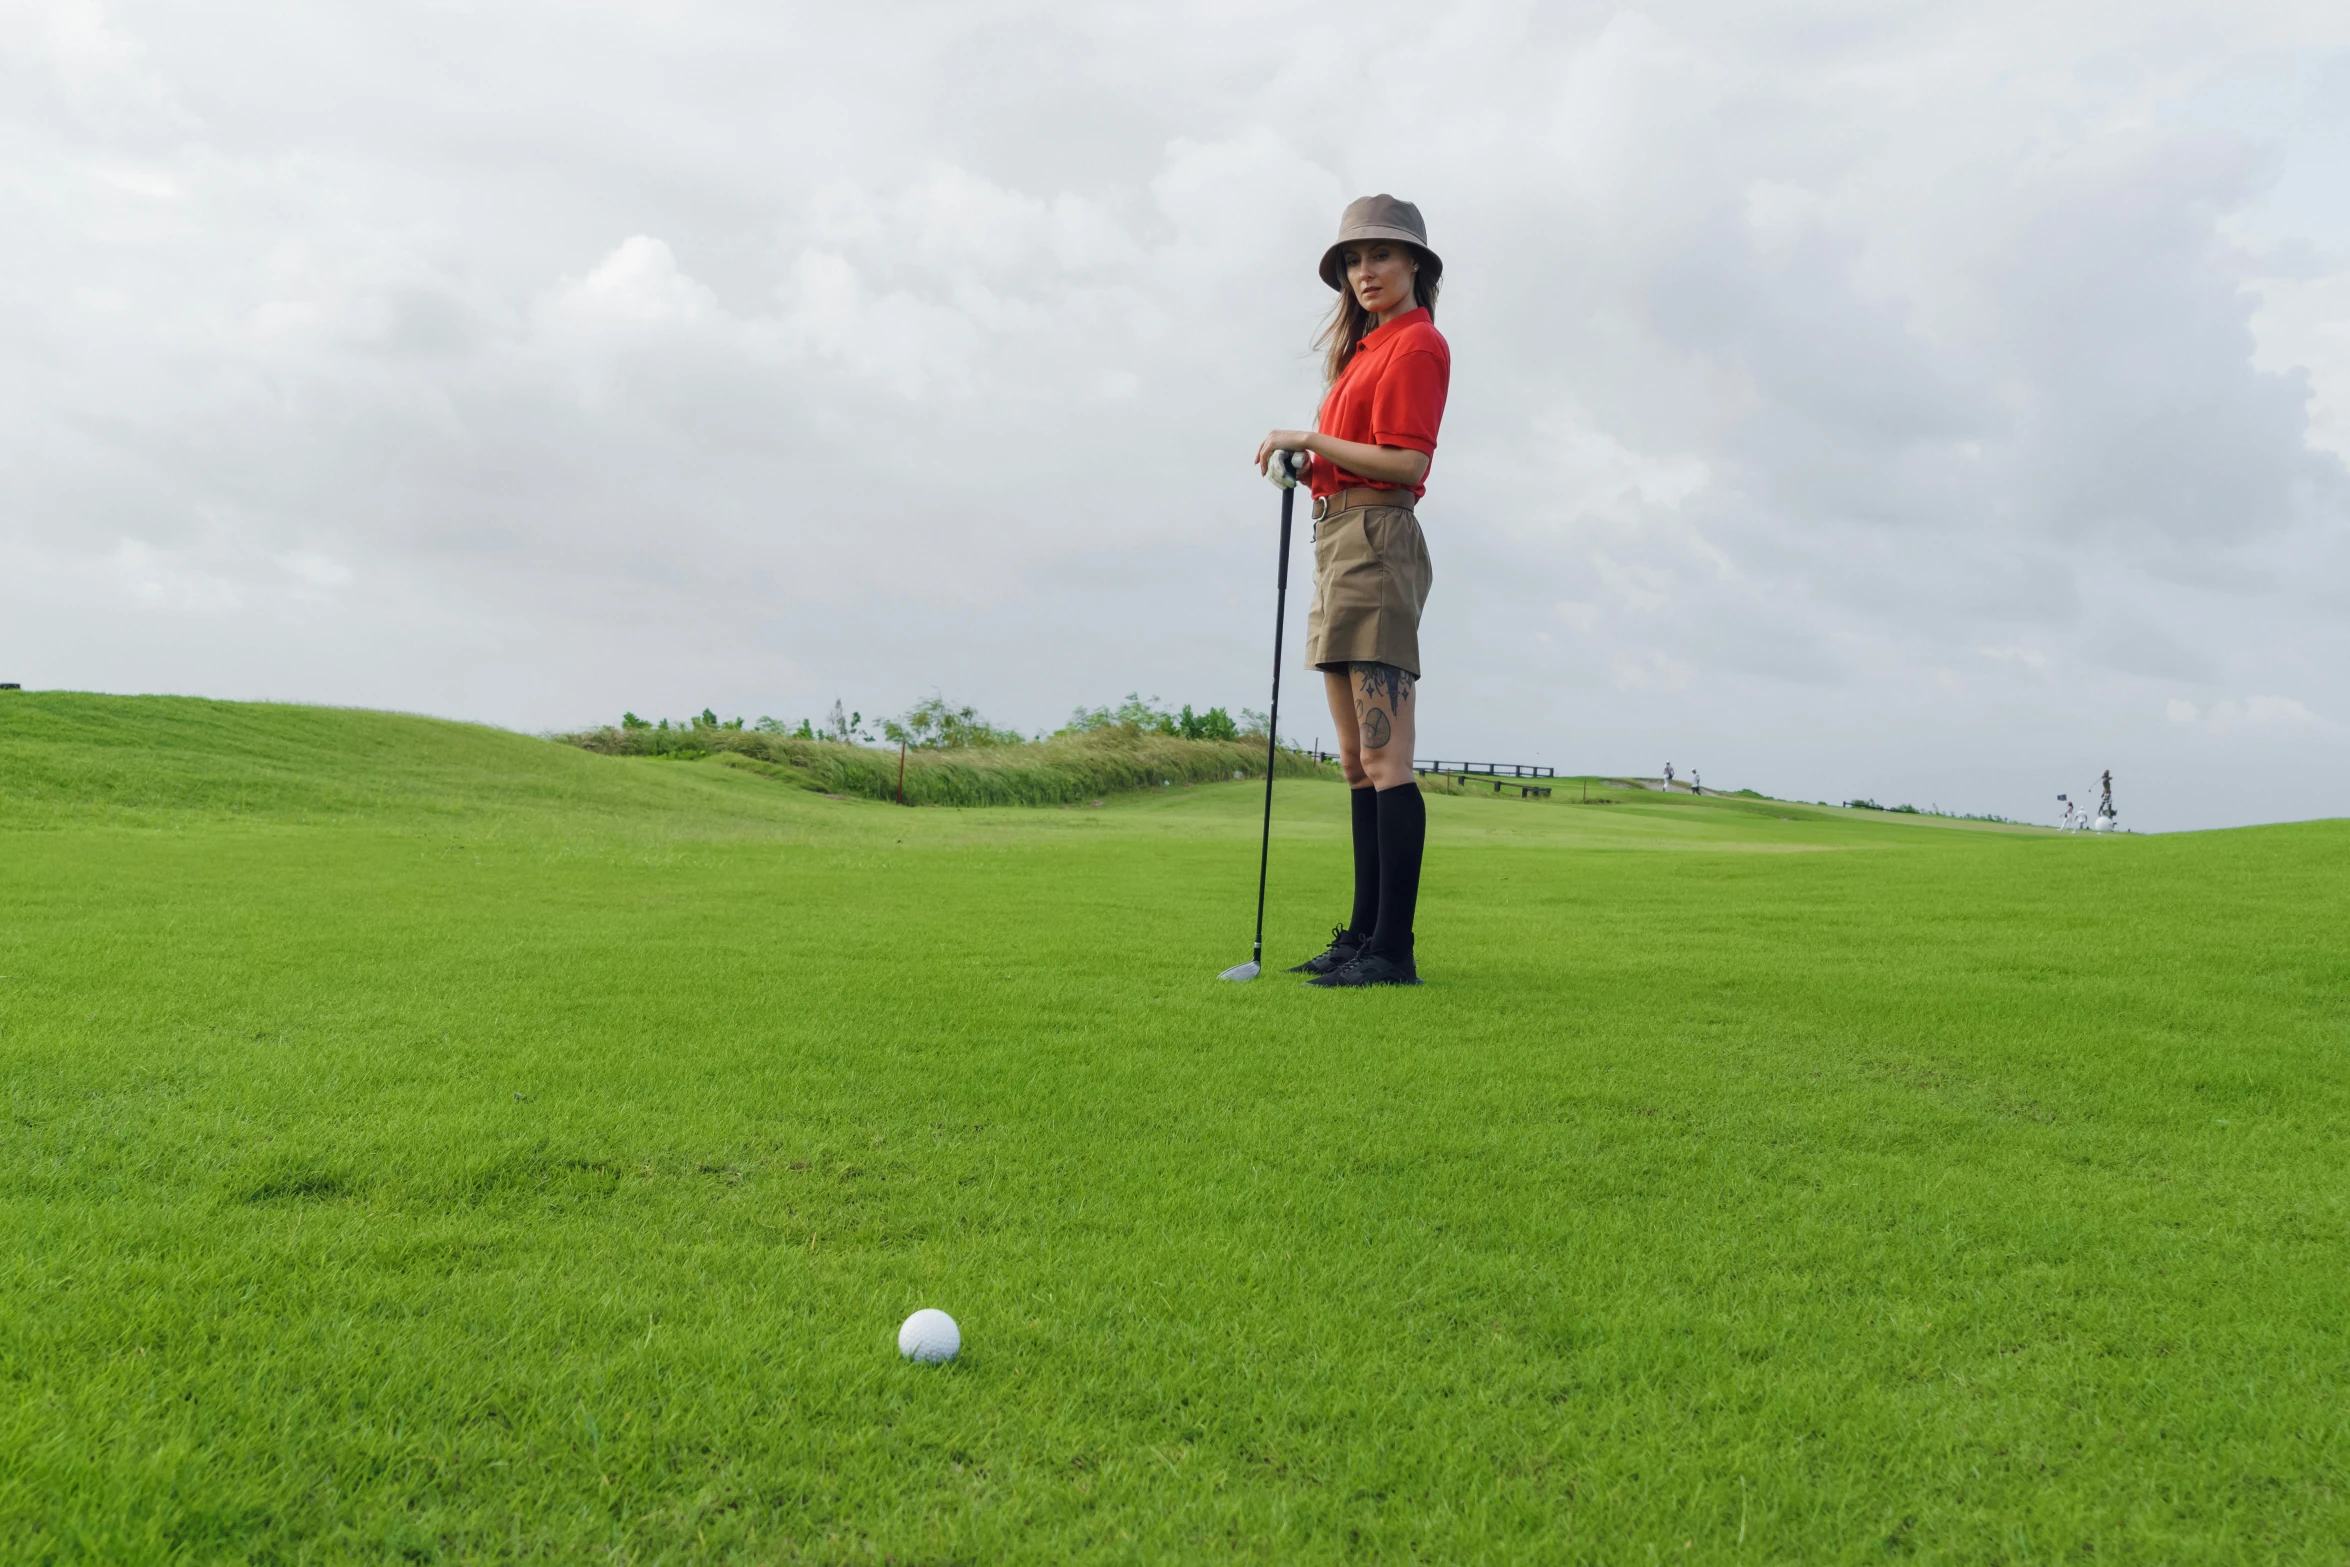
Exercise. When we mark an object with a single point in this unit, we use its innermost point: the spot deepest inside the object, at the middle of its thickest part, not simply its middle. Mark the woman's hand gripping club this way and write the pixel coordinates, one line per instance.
(1287, 468)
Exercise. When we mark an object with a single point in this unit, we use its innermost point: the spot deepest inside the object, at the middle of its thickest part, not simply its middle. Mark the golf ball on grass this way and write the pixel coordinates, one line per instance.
(930, 1336)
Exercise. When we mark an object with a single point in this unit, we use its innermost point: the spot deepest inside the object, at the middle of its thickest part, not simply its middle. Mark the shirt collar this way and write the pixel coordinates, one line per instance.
(1408, 318)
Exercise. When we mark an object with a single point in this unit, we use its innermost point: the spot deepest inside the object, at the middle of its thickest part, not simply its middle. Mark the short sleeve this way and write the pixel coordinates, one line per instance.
(1408, 404)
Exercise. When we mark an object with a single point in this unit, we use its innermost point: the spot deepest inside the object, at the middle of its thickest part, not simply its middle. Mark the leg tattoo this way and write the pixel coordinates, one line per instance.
(1384, 680)
(1376, 683)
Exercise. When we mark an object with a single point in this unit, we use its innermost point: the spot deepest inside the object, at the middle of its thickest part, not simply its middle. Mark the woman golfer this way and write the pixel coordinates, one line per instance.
(1388, 370)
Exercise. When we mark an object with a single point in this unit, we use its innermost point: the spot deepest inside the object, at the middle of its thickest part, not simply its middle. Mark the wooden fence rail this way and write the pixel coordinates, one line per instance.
(1486, 769)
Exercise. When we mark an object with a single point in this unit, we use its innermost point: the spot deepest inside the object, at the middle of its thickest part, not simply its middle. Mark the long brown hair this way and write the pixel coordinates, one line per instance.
(1343, 333)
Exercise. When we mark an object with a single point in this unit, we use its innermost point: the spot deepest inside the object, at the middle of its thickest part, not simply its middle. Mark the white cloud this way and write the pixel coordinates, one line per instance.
(2303, 324)
(160, 579)
(316, 576)
(2252, 716)
(1651, 669)
(2265, 713)
(637, 286)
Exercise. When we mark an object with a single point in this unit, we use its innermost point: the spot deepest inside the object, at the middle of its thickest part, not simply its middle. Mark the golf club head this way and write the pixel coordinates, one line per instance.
(1239, 973)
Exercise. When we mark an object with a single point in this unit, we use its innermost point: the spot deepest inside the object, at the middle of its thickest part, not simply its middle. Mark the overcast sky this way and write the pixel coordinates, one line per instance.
(1938, 403)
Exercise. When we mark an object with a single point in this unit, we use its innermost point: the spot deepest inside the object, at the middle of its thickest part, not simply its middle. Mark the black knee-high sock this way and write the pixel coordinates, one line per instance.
(1366, 914)
(1403, 833)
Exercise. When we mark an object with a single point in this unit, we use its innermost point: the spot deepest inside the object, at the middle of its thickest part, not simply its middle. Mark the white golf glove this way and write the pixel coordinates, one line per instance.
(1288, 468)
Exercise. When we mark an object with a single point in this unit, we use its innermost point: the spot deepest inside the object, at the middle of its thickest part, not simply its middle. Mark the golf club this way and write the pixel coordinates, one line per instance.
(1287, 466)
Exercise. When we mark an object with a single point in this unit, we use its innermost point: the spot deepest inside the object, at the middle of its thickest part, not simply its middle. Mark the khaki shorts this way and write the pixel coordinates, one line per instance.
(1371, 576)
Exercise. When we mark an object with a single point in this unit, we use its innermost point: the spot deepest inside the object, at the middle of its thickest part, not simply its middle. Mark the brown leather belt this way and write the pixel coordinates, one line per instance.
(1348, 500)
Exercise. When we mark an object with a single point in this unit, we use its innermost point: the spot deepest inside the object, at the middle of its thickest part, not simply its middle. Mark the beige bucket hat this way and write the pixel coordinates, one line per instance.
(1381, 217)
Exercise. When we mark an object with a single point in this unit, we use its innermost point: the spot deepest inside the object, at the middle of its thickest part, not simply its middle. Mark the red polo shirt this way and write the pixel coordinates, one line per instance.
(1392, 394)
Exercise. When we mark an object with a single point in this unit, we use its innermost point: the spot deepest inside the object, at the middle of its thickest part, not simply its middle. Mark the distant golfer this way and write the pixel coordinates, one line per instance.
(1388, 370)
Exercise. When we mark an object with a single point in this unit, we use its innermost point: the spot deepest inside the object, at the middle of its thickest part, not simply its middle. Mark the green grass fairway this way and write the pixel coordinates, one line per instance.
(424, 1143)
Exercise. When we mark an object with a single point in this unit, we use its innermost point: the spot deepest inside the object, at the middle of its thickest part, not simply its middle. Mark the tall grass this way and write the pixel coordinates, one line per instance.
(1068, 769)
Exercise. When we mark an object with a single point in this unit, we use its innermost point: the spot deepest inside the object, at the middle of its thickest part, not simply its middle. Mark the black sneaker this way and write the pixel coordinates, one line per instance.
(1368, 968)
(1344, 946)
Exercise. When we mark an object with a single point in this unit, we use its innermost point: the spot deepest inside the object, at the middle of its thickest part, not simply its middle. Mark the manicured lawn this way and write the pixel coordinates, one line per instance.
(423, 1143)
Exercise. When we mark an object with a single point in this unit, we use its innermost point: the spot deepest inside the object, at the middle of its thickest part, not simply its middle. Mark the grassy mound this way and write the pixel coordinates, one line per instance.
(1748, 1182)
(73, 757)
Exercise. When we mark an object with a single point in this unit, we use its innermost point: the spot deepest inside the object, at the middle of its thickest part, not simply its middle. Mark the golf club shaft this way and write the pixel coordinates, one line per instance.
(1273, 719)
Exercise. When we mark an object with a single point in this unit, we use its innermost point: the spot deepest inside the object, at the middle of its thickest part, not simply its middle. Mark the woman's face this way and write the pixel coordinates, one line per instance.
(1381, 276)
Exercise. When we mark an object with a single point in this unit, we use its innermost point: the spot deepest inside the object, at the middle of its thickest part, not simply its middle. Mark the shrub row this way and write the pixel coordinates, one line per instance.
(1068, 769)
